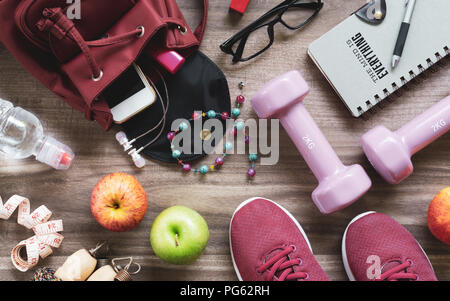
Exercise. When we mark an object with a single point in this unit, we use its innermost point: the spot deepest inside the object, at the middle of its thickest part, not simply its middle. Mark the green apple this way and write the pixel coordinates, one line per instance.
(179, 235)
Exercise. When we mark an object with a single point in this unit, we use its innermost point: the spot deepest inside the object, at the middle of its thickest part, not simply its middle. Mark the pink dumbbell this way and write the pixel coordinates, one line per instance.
(339, 185)
(390, 152)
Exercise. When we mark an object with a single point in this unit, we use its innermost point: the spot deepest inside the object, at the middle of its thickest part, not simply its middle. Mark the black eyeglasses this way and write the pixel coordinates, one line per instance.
(293, 14)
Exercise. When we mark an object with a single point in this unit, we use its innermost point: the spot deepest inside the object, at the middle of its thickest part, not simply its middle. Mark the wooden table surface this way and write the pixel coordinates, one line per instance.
(290, 182)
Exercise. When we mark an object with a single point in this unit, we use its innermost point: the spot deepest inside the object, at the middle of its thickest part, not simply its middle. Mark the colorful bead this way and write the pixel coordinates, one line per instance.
(45, 274)
(228, 146)
(240, 125)
(220, 161)
(176, 154)
(240, 99)
(170, 136)
(253, 157)
(212, 114)
(183, 126)
(196, 115)
(204, 169)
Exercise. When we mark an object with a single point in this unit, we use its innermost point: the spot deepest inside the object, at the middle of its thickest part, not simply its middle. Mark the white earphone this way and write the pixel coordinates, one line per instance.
(138, 160)
(122, 138)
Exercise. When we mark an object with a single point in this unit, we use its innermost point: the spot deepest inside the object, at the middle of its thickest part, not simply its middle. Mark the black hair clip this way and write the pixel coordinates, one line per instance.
(373, 12)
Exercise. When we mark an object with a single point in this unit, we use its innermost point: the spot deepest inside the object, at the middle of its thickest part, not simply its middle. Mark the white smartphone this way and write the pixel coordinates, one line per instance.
(130, 94)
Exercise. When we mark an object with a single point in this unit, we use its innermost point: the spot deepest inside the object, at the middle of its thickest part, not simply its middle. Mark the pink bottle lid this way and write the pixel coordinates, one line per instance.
(169, 59)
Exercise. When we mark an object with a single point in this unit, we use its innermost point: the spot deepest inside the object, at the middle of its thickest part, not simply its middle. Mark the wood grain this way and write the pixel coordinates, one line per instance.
(289, 182)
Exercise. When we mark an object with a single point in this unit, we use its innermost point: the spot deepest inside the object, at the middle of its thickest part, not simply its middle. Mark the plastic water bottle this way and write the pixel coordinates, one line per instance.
(22, 135)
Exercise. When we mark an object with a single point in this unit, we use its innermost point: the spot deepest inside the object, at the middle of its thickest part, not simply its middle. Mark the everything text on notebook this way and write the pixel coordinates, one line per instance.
(355, 56)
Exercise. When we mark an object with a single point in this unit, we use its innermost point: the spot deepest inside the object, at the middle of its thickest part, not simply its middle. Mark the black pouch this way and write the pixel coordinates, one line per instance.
(200, 85)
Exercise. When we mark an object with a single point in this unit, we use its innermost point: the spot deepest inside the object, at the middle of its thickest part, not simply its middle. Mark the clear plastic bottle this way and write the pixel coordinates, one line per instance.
(22, 135)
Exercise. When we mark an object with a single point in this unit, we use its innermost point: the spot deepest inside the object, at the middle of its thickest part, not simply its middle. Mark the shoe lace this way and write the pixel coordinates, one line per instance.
(282, 265)
(398, 273)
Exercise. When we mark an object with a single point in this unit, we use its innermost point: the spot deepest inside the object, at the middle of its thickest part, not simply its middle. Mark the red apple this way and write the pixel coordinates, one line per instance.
(118, 202)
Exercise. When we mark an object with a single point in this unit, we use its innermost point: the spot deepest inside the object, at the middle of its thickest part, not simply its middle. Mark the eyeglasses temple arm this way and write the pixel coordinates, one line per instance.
(240, 49)
(284, 5)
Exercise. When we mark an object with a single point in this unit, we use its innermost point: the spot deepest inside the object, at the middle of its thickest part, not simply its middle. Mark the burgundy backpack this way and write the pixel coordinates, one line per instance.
(78, 58)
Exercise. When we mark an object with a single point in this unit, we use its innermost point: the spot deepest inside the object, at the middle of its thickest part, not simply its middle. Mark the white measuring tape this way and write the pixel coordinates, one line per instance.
(45, 231)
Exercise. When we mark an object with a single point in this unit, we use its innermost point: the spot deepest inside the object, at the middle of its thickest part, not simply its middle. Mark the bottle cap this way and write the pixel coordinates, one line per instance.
(55, 154)
(169, 59)
(239, 5)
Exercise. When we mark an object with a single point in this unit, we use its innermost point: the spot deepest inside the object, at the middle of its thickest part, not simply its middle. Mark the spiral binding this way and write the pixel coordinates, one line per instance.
(373, 106)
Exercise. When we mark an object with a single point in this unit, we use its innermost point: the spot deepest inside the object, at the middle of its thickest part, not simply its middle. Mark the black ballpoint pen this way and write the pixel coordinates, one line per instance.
(403, 34)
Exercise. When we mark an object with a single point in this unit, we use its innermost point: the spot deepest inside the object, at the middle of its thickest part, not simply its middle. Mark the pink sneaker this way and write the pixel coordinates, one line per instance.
(267, 243)
(376, 247)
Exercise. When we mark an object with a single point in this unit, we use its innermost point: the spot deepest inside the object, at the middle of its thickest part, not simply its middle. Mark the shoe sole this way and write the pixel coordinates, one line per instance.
(279, 206)
(350, 275)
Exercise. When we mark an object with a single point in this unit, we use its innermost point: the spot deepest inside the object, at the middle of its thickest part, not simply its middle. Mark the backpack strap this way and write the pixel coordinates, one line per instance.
(200, 30)
(56, 23)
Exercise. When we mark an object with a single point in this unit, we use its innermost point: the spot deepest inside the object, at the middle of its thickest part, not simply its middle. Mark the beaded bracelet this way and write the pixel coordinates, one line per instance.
(238, 126)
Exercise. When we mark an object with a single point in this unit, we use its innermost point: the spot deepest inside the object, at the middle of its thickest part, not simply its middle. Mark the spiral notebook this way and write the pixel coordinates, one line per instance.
(355, 56)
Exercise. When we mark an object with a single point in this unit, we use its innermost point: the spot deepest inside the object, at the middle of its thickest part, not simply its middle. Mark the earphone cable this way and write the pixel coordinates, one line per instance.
(163, 119)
